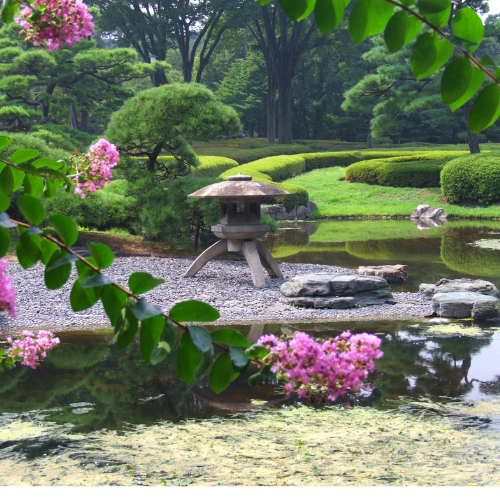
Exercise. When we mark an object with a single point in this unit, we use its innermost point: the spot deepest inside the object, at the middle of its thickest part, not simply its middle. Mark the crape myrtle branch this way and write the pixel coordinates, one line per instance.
(469, 56)
(61, 245)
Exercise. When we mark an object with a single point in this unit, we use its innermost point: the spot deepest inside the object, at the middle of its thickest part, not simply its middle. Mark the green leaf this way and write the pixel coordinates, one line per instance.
(65, 259)
(229, 336)
(33, 185)
(24, 155)
(31, 208)
(423, 54)
(328, 14)
(4, 203)
(126, 325)
(160, 352)
(103, 255)
(144, 310)
(254, 379)
(239, 358)
(29, 249)
(34, 230)
(95, 280)
(188, 359)
(486, 108)
(6, 222)
(311, 4)
(4, 141)
(47, 162)
(143, 282)
(51, 187)
(4, 241)
(444, 50)
(151, 331)
(395, 31)
(293, 8)
(432, 6)
(383, 13)
(56, 275)
(467, 24)
(18, 176)
(441, 18)
(486, 60)
(222, 373)
(82, 267)
(257, 351)
(83, 298)
(48, 250)
(65, 228)
(265, 2)
(9, 11)
(200, 337)
(456, 79)
(362, 19)
(475, 84)
(113, 299)
(206, 361)
(193, 311)
(6, 180)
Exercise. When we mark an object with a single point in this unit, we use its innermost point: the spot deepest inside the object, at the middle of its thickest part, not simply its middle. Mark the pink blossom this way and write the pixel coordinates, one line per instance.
(94, 168)
(333, 367)
(30, 347)
(61, 21)
(7, 293)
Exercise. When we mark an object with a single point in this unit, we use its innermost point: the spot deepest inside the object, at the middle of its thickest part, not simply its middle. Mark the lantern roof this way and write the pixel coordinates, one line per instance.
(238, 186)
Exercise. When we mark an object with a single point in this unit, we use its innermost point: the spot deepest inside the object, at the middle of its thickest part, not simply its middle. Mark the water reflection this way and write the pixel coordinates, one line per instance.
(88, 383)
(431, 254)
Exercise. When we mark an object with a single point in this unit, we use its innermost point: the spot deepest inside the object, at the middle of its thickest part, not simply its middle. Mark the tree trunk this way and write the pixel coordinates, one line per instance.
(84, 120)
(73, 116)
(472, 139)
(285, 112)
(271, 107)
(369, 140)
(153, 156)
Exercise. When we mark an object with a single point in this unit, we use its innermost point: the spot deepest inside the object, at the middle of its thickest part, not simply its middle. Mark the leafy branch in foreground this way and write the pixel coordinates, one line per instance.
(449, 28)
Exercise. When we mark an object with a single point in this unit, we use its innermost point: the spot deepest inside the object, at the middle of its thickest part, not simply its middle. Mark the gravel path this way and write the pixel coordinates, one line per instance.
(225, 284)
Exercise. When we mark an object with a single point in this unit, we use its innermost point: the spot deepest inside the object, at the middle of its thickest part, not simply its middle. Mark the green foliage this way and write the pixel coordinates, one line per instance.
(164, 120)
(249, 155)
(325, 160)
(30, 141)
(114, 206)
(212, 166)
(474, 178)
(417, 171)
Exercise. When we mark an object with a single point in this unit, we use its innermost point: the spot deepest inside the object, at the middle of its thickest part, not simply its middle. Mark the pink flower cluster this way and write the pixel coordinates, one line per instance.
(330, 368)
(7, 293)
(61, 21)
(94, 168)
(30, 348)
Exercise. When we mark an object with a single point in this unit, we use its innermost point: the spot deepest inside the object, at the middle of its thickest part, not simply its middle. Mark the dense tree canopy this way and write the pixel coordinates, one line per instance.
(164, 120)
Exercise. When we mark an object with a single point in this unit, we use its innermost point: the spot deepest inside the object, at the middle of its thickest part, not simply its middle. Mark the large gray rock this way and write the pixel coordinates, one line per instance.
(459, 285)
(465, 305)
(392, 274)
(428, 212)
(337, 291)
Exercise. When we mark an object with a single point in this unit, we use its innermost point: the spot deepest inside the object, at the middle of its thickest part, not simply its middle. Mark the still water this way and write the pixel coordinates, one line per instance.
(87, 383)
(449, 251)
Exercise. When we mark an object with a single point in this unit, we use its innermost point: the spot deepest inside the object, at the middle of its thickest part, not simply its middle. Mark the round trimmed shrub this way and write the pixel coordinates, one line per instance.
(472, 178)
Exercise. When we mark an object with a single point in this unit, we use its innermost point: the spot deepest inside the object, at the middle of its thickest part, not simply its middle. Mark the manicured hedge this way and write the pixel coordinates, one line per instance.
(243, 156)
(416, 171)
(326, 160)
(473, 178)
(213, 166)
(273, 170)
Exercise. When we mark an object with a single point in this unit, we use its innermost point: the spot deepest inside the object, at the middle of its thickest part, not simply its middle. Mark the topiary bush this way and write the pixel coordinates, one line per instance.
(472, 178)
(416, 171)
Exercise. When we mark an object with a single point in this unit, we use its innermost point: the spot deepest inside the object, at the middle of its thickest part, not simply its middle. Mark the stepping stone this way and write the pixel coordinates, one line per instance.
(459, 285)
(392, 274)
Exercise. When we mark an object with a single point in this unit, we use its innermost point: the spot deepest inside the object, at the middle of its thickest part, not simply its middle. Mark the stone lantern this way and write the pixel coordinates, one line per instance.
(240, 225)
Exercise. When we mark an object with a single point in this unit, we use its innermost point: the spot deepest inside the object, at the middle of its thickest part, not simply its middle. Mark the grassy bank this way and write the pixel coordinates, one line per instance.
(336, 197)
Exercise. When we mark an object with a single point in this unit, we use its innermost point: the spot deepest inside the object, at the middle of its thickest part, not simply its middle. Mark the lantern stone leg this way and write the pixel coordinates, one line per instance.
(251, 254)
(268, 261)
(211, 252)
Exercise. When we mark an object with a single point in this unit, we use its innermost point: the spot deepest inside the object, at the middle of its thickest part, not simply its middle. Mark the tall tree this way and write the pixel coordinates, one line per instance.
(32, 79)
(195, 27)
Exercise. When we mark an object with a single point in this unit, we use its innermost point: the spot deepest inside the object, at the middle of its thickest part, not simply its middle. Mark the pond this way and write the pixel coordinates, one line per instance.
(87, 383)
(458, 249)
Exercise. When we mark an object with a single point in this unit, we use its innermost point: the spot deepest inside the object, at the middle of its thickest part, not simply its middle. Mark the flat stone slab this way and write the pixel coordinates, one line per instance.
(465, 305)
(460, 285)
(392, 274)
(336, 291)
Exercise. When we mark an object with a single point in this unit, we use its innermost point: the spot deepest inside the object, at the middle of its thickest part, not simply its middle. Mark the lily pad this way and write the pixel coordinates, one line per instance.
(458, 330)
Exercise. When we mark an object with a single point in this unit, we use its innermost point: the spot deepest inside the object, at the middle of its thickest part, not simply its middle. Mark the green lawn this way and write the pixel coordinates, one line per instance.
(336, 197)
